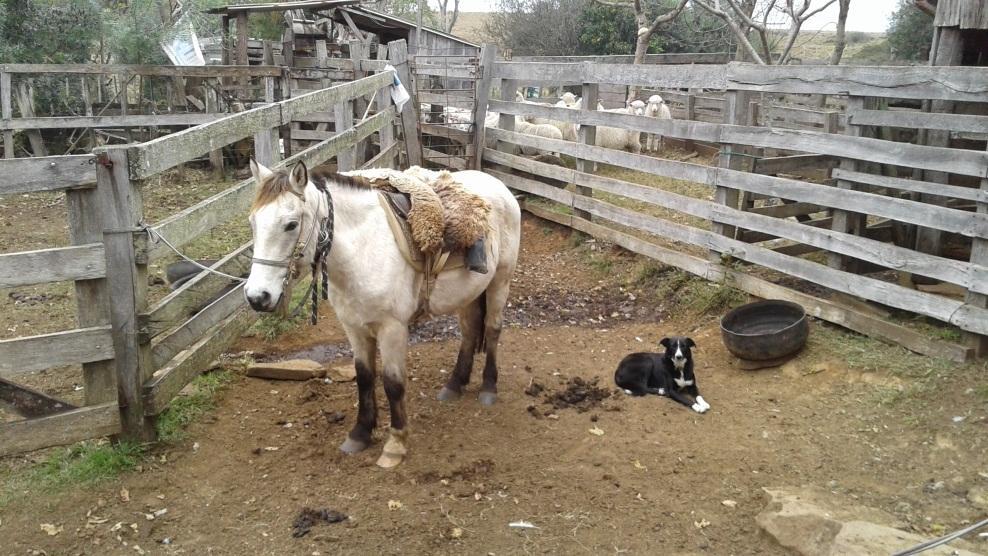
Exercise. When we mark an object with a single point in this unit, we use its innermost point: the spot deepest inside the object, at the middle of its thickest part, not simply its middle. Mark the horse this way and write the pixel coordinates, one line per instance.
(373, 289)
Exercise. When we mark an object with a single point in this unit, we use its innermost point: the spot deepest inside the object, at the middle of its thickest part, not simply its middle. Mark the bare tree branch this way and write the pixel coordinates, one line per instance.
(666, 17)
(735, 28)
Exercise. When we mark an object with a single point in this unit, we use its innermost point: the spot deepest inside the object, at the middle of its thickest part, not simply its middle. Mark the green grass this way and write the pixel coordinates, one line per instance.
(85, 463)
(272, 325)
(183, 410)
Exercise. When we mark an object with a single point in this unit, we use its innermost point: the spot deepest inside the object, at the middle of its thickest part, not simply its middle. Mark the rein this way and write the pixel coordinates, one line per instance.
(320, 260)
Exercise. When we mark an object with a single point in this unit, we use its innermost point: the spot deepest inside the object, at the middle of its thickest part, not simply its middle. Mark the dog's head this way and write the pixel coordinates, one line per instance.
(678, 350)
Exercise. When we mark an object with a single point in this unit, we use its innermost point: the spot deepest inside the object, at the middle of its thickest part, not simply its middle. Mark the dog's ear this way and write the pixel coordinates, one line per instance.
(690, 343)
(665, 342)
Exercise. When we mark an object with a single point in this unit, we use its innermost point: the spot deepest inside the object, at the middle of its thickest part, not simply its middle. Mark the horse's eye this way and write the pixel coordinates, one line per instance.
(291, 226)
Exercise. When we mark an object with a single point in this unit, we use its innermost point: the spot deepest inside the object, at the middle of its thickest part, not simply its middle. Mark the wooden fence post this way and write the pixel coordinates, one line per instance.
(736, 107)
(690, 109)
(343, 118)
(398, 54)
(25, 103)
(266, 149)
(359, 51)
(216, 156)
(507, 121)
(587, 135)
(487, 56)
(126, 279)
(979, 256)
(6, 112)
(844, 221)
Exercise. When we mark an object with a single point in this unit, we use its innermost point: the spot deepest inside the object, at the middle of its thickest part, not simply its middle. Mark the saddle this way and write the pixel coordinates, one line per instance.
(433, 219)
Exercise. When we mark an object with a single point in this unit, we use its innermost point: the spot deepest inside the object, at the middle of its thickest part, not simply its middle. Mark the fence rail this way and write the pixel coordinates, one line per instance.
(767, 236)
(149, 353)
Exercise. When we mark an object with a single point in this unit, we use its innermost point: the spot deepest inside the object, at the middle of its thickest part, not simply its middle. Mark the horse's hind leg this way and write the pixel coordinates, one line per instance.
(471, 320)
(393, 339)
(364, 360)
(497, 297)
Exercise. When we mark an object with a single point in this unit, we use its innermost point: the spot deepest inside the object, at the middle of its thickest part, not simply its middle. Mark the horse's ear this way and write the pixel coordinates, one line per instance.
(299, 177)
(258, 170)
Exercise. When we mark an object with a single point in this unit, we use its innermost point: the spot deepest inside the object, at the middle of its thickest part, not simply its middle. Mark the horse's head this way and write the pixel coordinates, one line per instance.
(286, 221)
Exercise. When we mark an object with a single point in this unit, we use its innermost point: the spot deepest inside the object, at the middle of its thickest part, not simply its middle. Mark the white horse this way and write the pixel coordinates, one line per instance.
(372, 288)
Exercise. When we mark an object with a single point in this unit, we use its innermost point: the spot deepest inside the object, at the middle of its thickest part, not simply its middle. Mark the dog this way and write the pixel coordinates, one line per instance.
(663, 374)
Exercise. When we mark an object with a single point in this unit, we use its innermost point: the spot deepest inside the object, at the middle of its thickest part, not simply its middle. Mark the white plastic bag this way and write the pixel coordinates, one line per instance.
(398, 93)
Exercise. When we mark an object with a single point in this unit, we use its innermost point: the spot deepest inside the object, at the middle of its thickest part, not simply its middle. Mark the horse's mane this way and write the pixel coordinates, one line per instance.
(279, 183)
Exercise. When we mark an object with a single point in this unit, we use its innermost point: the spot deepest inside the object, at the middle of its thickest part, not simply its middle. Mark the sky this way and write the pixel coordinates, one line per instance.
(864, 15)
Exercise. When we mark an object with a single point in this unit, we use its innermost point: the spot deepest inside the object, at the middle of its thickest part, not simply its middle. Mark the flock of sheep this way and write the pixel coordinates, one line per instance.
(609, 137)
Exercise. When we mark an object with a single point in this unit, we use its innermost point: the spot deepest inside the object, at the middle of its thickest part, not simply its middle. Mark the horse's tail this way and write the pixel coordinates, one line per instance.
(481, 344)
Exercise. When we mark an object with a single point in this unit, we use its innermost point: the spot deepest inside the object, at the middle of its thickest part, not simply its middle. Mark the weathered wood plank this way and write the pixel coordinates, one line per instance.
(674, 58)
(451, 72)
(817, 307)
(383, 159)
(398, 55)
(917, 186)
(57, 430)
(448, 132)
(80, 262)
(322, 100)
(884, 254)
(954, 312)
(972, 163)
(915, 82)
(456, 100)
(169, 381)
(6, 112)
(48, 173)
(787, 164)
(127, 70)
(972, 225)
(444, 159)
(158, 155)
(130, 120)
(82, 345)
(786, 210)
(667, 75)
(193, 329)
(311, 135)
(483, 84)
(919, 120)
(178, 305)
(31, 403)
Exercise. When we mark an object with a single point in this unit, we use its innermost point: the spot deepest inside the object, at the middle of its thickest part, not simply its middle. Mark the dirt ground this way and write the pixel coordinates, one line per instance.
(618, 475)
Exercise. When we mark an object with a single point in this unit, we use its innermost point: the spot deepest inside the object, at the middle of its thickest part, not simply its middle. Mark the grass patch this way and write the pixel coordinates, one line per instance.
(689, 293)
(84, 463)
(272, 325)
(183, 410)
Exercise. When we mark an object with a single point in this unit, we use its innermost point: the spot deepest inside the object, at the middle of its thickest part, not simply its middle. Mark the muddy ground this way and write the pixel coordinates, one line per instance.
(613, 475)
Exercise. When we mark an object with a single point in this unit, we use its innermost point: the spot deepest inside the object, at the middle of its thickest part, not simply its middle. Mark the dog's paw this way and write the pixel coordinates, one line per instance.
(662, 391)
(628, 392)
(703, 402)
(697, 407)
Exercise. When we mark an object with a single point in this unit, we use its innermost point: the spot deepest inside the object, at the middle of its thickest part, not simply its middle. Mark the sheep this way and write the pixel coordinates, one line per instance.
(569, 99)
(568, 129)
(657, 108)
(539, 130)
(617, 138)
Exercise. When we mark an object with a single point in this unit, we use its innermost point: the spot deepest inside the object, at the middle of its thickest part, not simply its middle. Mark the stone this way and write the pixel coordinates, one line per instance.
(343, 373)
(292, 369)
(978, 496)
(815, 522)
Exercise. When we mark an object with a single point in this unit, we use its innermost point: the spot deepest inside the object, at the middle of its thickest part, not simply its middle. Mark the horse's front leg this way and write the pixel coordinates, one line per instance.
(393, 341)
(364, 360)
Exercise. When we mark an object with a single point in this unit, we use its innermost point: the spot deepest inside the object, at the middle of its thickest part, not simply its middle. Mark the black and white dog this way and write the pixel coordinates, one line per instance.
(664, 374)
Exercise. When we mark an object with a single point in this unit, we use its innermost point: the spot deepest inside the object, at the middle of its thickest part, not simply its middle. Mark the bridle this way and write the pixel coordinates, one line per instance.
(322, 231)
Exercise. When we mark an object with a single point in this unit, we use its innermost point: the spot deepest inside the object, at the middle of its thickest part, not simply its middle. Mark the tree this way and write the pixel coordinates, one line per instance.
(537, 27)
(49, 32)
(447, 18)
(647, 21)
(840, 40)
(910, 32)
(742, 18)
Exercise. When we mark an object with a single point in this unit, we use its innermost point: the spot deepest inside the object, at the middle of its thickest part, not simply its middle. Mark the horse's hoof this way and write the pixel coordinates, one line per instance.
(351, 446)
(388, 460)
(487, 398)
(447, 394)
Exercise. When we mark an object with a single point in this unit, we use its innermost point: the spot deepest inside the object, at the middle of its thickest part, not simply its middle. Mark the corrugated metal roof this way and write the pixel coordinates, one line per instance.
(373, 21)
(966, 14)
(281, 6)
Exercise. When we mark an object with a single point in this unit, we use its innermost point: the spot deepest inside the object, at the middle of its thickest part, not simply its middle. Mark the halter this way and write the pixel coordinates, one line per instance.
(324, 242)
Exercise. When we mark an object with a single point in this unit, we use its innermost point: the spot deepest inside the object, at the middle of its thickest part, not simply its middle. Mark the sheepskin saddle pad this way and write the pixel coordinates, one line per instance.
(443, 216)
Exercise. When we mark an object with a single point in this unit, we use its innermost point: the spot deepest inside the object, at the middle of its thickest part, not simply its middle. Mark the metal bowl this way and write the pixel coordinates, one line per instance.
(764, 330)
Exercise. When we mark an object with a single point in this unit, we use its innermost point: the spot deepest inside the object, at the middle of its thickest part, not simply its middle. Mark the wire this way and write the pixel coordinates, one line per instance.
(923, 547)
(156, 237)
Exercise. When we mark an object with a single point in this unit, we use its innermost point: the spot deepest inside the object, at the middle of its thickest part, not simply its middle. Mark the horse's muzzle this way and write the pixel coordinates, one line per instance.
(262, 303)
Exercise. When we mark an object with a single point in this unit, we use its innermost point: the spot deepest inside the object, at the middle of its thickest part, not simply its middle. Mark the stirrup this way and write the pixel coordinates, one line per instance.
(477, 257)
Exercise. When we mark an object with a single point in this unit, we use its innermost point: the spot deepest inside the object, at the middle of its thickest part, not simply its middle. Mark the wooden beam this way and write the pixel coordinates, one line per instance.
(130, 120)
(167, 383)
(31, 403)
(81, 262)
(82, 345)
(49, 173)
(487, 55)
(154, 71)
(193, 329)
(6, 113)
(60, 429)
(398, 56)
(919, 120)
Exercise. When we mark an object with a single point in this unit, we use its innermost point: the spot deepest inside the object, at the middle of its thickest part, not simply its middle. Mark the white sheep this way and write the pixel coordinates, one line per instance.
(657, 108)
(538, 130)
(569, 99)
(617, 138)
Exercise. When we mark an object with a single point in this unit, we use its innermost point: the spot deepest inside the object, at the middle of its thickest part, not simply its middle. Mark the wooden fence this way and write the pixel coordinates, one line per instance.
(137, 356)
(99, 99)
(745, 236)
